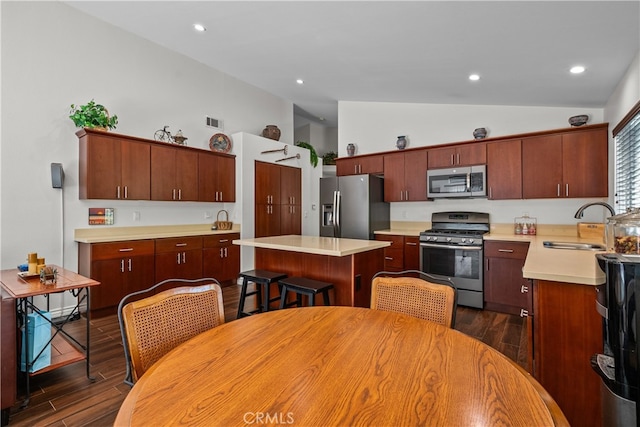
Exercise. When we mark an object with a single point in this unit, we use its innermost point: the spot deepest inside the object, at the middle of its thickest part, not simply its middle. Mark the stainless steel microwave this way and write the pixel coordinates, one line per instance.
(465, 181)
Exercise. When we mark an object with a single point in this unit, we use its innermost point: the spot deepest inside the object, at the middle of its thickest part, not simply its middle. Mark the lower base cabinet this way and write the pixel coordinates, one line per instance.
(567, 331)
(505, 290)
(221, 258)
(403, 254)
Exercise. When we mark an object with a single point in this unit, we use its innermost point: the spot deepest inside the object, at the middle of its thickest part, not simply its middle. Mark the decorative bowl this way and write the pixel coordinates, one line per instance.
(578, 120)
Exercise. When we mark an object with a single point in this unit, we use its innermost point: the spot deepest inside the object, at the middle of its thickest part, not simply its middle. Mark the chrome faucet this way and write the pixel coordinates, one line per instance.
(585, 206)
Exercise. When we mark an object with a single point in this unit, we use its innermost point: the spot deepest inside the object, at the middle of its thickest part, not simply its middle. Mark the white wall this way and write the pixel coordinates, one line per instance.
(53, 56)
(375, 126)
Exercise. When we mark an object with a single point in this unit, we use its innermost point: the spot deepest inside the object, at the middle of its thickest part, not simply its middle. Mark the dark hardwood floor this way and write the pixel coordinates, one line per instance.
(66, 397)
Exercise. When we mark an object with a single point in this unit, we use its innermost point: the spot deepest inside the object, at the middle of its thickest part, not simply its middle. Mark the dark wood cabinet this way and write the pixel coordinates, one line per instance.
(357, 165)
(403, 254)
(405, 176)
(221, 258)
(504, 169)
(566, 165)
(457, 155)
(120, 267)
(178, 258)
(505, 290)
(567, 331)
(216, 177)
(113, 168)
(174, 174)
(278, 197)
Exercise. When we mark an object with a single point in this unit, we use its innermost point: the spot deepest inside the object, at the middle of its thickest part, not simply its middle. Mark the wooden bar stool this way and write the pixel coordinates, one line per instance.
(262, 279)
(303, 286)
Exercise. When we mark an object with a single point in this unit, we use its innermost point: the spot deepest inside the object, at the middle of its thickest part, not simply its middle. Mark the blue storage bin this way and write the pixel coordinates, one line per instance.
(39, 336)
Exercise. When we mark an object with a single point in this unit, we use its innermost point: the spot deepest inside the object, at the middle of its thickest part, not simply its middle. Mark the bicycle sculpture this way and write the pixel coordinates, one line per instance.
(163, 135)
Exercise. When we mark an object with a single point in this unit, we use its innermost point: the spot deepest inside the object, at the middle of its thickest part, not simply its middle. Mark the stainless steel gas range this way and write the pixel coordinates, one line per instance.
(453, 249)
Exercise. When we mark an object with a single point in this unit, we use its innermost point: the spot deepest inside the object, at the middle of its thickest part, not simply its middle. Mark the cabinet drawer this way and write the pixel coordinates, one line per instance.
(219, 240)
(393, 258)
(396, 241)
(127, 248)
(500, 249)
(178, 243)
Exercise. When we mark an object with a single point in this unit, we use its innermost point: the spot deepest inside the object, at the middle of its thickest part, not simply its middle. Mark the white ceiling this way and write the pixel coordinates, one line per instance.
(397, 51)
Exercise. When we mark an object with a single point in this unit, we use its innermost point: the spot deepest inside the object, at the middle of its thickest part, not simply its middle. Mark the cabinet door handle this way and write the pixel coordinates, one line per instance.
(178, 257)
(566, 190)
(184, 255)
(180, 245)
(524, 289)
(122, 266)
(221, 196)
(173, 194)
(524, 313)
(225, 252)
(388, 258)
(126, 192)
(406, 195)
(221, 256)
(129, 264)
(223, 240)
(180, 194)
(458, 158)
(118, 192)
(509, 251)
(490, 193)
(411, 244)
(125, 250)
(558, 190)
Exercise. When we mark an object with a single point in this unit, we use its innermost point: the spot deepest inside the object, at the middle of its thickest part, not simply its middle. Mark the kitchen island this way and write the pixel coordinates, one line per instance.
(347, 263)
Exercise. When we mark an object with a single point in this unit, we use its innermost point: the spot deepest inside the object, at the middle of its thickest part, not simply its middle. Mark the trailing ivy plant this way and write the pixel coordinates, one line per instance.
(313, 156)
(92, 115)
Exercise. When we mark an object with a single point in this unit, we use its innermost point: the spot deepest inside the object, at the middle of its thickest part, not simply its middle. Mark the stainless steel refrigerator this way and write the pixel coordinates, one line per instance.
(353, 206)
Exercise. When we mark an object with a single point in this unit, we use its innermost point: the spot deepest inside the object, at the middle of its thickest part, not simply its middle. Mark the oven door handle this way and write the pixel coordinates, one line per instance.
(464, 248)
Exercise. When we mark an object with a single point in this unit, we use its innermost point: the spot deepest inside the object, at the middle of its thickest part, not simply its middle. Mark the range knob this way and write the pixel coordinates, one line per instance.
(434, 238)
(448, 239)
(464, 240)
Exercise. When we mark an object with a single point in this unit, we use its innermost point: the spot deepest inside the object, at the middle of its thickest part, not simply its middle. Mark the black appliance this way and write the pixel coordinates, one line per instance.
(616, 302)
(453, 249)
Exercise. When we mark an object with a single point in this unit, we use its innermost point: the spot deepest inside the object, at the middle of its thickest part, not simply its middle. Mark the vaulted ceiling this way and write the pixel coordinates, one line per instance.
(399, 51)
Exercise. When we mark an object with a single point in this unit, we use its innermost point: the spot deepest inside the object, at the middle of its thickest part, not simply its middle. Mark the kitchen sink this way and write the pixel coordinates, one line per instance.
(574, 246)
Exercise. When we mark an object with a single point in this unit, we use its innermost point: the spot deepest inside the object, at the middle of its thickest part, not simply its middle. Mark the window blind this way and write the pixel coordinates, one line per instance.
(627, 175)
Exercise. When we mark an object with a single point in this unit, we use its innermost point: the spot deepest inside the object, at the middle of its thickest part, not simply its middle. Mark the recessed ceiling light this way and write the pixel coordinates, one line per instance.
(474, 77)
(199, 27)
(300, 81)
(577, 69)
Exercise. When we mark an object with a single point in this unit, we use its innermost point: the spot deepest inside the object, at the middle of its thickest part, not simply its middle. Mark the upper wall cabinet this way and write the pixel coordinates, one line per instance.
(405, 176)
(504, 169)
(567, 165)
(461, 155)
(112, 167)
(360, 164)
(216, 177)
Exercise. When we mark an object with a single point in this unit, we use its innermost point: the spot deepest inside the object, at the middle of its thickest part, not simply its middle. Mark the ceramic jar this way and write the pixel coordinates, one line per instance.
(351, 149)
(271, 132)
(480, 133)
(401, 143)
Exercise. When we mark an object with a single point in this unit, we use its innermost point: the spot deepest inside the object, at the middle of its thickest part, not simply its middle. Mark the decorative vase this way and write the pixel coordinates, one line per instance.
(271, 132)
(480, 133)
(401, 143)
(351, 149)
(578, 120)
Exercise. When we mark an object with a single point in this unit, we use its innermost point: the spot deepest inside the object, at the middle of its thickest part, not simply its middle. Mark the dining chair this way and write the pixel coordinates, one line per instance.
(153, 325)
(417, 294)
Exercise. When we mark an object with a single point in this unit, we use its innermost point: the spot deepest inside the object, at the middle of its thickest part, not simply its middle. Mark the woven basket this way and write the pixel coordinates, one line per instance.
(223, 225)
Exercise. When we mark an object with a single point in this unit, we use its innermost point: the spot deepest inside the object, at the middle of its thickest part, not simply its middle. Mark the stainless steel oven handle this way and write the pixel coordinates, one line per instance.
(464, 248)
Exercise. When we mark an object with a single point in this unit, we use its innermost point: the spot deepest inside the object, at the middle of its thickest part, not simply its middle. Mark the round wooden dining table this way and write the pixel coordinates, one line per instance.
(336, 366)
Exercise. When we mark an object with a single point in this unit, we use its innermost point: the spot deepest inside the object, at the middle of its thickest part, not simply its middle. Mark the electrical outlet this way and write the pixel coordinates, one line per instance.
(136, 216)
(208, 215)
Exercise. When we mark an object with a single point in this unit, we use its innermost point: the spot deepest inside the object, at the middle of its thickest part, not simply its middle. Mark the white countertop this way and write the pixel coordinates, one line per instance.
(331, 246)
(119, 234)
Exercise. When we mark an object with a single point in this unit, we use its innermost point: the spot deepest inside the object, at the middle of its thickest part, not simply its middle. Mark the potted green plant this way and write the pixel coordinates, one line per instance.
(313, 156)
(92, 115)
(329, 158)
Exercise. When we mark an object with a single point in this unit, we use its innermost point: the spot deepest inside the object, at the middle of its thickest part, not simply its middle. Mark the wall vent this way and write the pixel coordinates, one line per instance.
(214, 123)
